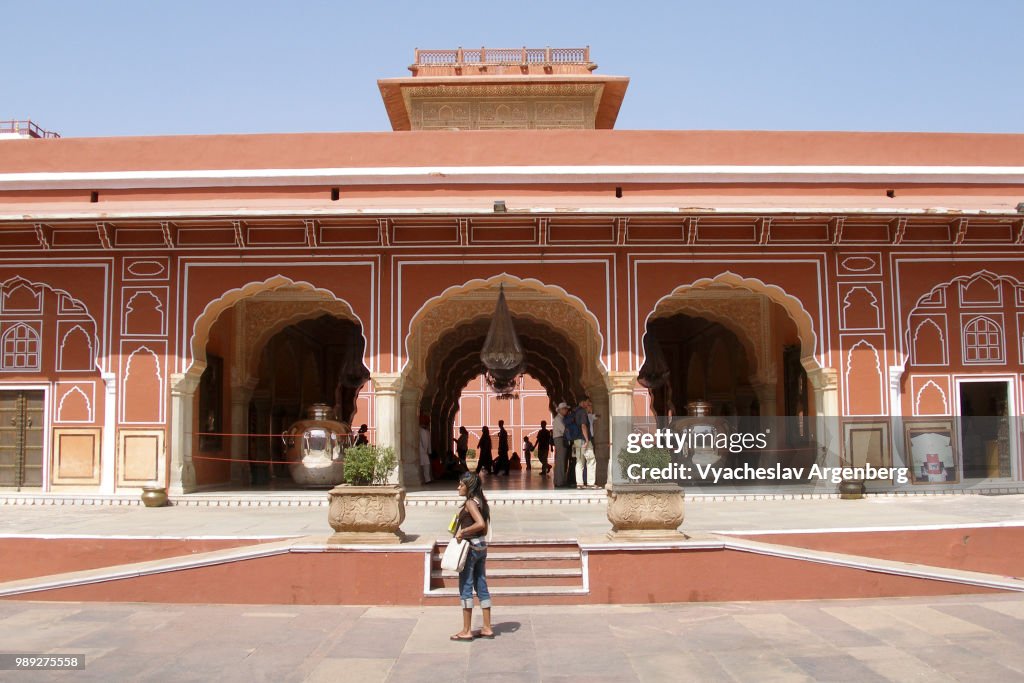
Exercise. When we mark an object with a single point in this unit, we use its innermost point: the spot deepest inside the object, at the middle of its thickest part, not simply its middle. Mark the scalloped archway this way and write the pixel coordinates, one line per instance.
(270, 306)
(789, 303)
(742, 307)
(441, 334)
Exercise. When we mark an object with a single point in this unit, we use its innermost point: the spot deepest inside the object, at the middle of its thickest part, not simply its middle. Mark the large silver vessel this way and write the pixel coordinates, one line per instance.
(316, 448)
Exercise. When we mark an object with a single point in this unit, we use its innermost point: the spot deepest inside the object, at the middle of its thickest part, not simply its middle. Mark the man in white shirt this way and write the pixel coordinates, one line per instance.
(583, 447)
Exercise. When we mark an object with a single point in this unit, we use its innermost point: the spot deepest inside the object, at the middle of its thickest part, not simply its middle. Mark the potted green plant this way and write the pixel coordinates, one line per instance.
(366, 508)
(645, 503)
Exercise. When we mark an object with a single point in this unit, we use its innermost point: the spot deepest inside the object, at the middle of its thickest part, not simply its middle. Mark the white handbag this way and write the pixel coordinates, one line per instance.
(454, 558)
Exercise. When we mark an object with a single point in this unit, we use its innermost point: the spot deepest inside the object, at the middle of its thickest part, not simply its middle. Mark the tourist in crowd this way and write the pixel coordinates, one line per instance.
(561, 446)
(425, 449)
(527, 450)
(543, 447)
(501, 464)
(361, 439)
(474, 521)
(462, 446)
(583, 445)
(483, 452)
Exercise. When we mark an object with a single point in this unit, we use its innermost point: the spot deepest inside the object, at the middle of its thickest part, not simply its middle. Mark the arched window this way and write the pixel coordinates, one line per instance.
(21, 348)
(983, 341)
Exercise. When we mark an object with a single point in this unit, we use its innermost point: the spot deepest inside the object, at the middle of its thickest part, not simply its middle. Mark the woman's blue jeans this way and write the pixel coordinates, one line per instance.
(473, 576)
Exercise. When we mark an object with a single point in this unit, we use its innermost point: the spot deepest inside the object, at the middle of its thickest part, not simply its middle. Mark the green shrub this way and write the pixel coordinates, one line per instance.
(654, 458)
(369, 465)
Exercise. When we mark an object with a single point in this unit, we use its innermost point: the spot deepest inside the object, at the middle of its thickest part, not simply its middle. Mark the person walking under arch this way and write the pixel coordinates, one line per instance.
(544, 443)
(501, 465)
(527, 450)
(483, 452)
(462, 446)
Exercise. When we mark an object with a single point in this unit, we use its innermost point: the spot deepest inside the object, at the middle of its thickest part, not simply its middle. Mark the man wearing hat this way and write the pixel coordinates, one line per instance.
(561, 447)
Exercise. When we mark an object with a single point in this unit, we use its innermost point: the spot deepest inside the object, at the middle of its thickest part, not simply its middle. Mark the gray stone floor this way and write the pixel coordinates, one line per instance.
(517, 521)
(961, 638)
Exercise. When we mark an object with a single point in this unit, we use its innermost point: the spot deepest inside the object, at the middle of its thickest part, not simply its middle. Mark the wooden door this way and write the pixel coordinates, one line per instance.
(21, 438)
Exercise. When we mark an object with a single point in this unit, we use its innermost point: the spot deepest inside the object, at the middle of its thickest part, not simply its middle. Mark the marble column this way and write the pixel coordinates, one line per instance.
(387, 411)
(183, 390)
(899, 457)
(825, 382)
(620, 408)
(261, 402)
(241, 395)
(410, 471)
(108, 447)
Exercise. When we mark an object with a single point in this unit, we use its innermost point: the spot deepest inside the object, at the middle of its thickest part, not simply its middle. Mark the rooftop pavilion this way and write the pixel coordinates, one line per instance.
(503, 88)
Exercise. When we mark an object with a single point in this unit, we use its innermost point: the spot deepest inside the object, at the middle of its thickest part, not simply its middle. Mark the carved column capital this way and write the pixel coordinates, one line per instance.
(824, 379)
(621, 382)
(184, 383)
(895, 377)
(386, 382)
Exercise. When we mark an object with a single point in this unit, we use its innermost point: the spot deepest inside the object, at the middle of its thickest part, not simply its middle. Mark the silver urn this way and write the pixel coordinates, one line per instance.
(703, 434)
(315, 448)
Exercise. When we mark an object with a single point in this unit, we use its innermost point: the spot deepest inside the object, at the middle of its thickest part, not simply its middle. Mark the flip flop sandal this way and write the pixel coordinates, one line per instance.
(465, 639)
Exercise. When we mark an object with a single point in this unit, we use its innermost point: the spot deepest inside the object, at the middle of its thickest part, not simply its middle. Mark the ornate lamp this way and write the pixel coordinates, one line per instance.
(502, 354)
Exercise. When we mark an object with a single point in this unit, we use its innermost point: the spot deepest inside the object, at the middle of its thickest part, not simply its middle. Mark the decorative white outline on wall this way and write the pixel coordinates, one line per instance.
(128, 310)
(78, 308)
(36, 336)
(60, 407)
(937, 300)
(943, 343)
(995, 285)
(163, 274)
(973, 318)
(874, 268)
(89, 339)
(13, 285)
(68, 305)
(917, 398)
(879, 316)
(124, 384)
(878, 370)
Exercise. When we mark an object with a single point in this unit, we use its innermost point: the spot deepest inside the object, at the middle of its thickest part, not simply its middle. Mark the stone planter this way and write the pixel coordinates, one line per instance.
(366, 514)
(851, 489)
(645, 512)
(154, 496)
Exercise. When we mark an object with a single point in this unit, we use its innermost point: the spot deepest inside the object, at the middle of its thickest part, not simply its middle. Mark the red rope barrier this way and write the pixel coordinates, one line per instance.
(272, 436)
(262, 462)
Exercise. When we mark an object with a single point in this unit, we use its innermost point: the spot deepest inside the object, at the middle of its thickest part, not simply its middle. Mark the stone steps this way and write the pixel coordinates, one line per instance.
(519, 568)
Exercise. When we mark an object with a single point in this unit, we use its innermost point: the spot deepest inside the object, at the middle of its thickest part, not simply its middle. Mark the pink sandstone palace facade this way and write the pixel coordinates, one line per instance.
(166, 300)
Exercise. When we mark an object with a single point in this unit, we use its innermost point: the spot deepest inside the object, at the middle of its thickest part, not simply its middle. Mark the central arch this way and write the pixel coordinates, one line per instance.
(561, 341)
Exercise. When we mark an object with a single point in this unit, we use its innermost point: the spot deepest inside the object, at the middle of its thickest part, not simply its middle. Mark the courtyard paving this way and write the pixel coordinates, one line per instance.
(960, 638)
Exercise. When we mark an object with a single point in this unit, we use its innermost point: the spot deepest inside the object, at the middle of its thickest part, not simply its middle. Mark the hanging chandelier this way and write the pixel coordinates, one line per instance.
(655, 370)
(502, 354)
